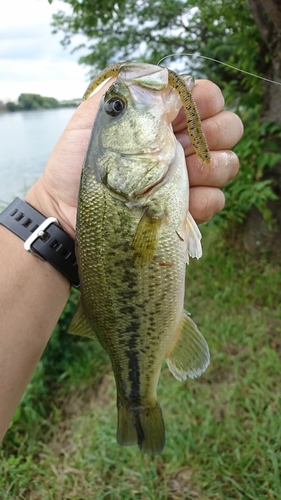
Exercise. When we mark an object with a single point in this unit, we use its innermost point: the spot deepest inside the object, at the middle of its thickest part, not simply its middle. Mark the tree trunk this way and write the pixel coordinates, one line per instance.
(267, 15)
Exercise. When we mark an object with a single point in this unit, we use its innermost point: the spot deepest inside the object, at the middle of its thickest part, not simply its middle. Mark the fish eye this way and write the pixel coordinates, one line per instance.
(114, 106)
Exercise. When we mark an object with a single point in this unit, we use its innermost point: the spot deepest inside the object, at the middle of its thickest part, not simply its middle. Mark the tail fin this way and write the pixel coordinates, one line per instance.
(141, 426)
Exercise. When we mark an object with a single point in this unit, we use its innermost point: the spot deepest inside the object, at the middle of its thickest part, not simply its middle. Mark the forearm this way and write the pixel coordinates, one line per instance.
(32, 297)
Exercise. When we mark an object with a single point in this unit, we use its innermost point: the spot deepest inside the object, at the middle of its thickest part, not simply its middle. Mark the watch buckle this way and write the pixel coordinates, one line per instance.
(39, 233)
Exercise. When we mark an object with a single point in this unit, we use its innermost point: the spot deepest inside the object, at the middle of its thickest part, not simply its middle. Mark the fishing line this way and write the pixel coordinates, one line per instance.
(223, 64)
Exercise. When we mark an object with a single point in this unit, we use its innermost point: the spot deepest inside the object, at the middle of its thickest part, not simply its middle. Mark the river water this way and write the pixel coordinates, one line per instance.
(26, 141)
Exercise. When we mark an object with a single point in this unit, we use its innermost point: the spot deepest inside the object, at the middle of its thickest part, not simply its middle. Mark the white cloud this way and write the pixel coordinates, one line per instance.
(54, 79)
(32, 58)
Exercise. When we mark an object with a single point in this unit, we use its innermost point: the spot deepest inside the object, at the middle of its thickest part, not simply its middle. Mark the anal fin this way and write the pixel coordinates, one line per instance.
(190, 355)
(80, 324)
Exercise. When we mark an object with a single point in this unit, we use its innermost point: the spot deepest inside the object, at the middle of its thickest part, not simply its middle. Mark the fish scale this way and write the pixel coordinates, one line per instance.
(133, 234)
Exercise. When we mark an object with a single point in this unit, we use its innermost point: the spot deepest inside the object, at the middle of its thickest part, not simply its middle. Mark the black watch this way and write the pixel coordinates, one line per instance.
(43, 237)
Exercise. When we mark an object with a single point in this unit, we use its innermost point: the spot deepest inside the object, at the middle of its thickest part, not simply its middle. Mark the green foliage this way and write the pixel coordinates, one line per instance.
(32, 101)
(11, 106)
(258, 151)
(224, 30)
(87, 16)
(28, 102)
(36, 101)
(148, 30)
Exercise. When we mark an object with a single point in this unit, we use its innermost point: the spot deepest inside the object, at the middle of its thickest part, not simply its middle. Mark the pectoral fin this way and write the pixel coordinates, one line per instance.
(146, 237)
(190, 233)
(190, 355)
(194, 248)
(80, 325)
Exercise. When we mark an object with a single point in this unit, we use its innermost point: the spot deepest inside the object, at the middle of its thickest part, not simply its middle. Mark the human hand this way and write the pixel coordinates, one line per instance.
(223, 129)
(56, 191)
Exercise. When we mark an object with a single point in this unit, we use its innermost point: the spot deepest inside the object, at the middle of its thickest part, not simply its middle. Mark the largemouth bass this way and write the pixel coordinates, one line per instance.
(134, 236)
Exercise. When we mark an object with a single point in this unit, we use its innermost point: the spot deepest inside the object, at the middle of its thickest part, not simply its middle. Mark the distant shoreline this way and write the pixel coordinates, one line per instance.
(33, 102)
(6, 111)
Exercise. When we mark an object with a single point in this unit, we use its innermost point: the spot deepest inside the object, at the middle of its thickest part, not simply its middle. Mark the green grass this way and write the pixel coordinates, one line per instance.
(223, 430)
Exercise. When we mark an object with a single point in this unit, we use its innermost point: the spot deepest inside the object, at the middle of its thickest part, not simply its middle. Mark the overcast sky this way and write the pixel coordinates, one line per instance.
(32, 59)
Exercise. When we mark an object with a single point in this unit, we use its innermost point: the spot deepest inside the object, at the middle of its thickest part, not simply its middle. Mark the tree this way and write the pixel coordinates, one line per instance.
(36, 101)
(267, 15)
(151, 29)
(242, 34)
(11, 106)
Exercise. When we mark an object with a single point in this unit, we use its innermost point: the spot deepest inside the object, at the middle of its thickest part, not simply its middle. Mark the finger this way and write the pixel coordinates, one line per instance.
(222, 131)
(209, 101)
(208, 97)
(72, 145)
(204, 202)
(223, 167)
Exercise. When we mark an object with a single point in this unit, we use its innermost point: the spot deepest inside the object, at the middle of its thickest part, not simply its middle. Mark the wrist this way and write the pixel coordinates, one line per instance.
(40, 198)
(42, 236)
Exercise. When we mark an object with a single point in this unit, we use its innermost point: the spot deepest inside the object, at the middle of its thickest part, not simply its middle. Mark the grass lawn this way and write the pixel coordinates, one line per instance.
(223, 430)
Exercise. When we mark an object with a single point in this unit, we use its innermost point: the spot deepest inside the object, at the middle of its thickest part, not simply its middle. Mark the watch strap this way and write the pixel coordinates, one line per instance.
(42, 236)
